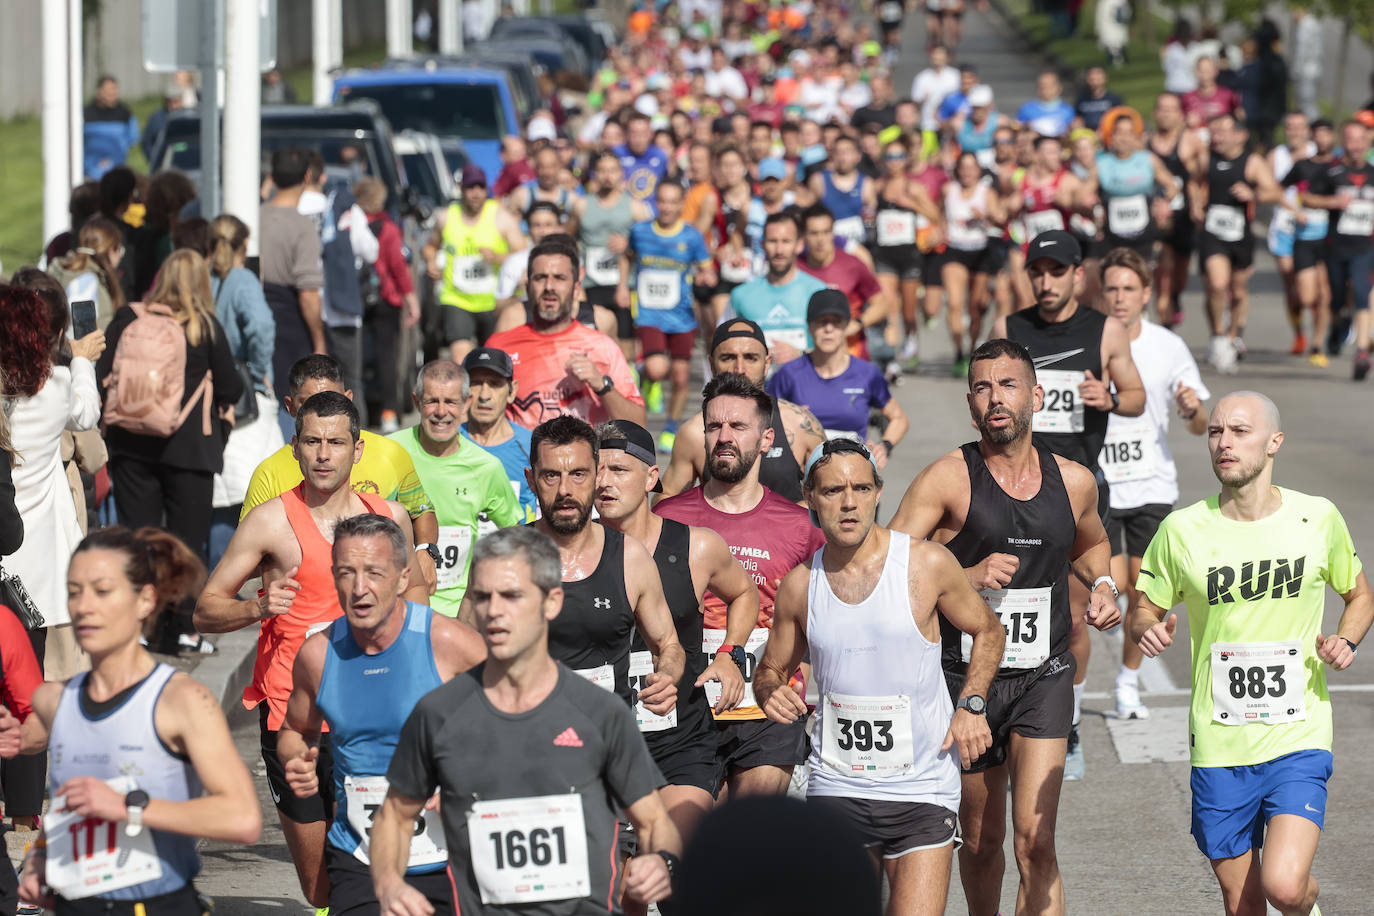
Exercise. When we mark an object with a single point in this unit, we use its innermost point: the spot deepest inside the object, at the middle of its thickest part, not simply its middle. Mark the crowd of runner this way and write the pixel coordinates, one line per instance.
(507, 664)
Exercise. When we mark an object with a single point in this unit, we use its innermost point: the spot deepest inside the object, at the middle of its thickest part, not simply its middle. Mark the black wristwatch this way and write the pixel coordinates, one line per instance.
(671, 861)
(134, 803)
(432, 550)
(1116, 401)
(736, 654)
(888, 446)
(607, 383)
(974, 704)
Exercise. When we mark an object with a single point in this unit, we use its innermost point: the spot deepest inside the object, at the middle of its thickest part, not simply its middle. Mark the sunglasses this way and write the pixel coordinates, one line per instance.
(895, 157)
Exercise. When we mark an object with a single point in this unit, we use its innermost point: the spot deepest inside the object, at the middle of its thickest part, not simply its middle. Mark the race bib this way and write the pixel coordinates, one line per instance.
(659, 289)
(1284, 222)
(896, 227)
(1063, 408)
(851, 227)
(711, 640)
(364, 795)
(1357, 219)
(455, 544)
(1025, 616)
(1128, 216)
(528, 850)
(602, 676)
(868, 736)
(1129, 452)
(603, 267)
(641, 666)
(1226, 223)
(1042, 221)
(89, 856)
(474, 276)
(795, 337)
(1258, 682)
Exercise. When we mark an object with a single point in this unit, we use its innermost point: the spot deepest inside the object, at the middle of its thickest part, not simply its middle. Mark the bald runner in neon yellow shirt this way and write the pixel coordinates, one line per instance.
(1252, 565)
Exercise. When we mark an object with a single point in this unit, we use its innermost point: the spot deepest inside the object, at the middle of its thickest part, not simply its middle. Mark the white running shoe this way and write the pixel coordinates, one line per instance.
(1221, 353)
(1128, 705)
(1073, 760)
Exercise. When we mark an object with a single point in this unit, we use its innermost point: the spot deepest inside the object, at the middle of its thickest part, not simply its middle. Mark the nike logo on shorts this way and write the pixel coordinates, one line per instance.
(1313, 810)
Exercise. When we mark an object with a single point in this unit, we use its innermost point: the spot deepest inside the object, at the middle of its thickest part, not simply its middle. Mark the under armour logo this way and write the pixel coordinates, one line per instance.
(601, 604)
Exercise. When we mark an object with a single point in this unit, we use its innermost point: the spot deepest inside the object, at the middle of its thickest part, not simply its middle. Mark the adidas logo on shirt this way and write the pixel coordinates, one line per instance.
(568, 738)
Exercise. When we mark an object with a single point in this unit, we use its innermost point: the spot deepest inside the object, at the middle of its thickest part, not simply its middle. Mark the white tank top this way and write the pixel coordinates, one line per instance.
(884, 705)
(963, 230)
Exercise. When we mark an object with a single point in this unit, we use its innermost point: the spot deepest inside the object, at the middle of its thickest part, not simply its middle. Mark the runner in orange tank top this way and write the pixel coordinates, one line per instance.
(288, 540)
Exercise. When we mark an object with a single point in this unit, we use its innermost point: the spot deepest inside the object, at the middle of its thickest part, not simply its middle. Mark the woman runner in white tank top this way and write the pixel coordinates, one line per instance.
(143, 763)
(970, 210)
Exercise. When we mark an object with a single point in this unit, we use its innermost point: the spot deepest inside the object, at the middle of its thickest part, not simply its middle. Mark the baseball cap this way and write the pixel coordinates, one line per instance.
(1057, 245)
(541, 129)
(826, 302)
(871, 49)
(634, 440)
(737, 327)
(473, 175)
(772, 167)
(830, 447)
(489, 358)
(980, 96)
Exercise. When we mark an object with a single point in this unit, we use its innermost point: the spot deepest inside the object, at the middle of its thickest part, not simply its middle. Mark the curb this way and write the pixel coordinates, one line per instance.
(229, 670)
(1039, 47)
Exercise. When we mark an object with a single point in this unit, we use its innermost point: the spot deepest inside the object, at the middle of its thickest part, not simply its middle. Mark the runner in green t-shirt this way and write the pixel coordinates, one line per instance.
(1251, 566)
(467, 485)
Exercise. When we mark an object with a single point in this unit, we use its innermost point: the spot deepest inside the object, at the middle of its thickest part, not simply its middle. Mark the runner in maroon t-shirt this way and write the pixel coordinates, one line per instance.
(1208, 100)
(769, 535)
(842, 271)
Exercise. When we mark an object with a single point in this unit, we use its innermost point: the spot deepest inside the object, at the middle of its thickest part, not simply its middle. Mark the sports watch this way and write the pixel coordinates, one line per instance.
(607, 383)
(432, 550)
(736, 654)
(134, 803)
(974, 704)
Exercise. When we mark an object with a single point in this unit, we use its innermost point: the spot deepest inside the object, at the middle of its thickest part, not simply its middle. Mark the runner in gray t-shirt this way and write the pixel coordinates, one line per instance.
(531, 763)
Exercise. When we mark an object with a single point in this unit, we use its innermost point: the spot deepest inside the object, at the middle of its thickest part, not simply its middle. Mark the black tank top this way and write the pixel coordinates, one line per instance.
(1039, 532)
(779, 470)
(1221, 175)
(673, 557)
(597, 620)
(1066, 346)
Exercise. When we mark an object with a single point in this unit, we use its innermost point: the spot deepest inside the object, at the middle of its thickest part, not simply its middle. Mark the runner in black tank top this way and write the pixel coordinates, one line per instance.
(1171, 273)
(594, 628)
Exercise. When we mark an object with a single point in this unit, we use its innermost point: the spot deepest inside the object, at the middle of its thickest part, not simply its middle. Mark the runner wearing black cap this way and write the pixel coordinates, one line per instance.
(840, 388)
(1083, 364)
(739, 346)
(691, 561)
(491, 385)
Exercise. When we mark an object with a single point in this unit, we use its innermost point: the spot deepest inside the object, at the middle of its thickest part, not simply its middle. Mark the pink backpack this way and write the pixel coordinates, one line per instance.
(147, 380)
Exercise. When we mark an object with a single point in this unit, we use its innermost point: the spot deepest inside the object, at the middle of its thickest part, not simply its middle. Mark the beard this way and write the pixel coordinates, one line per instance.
(1020, 423)
(546, 313)
(565, 526)
(1238, 475)
(727, 471)
(1056, 304)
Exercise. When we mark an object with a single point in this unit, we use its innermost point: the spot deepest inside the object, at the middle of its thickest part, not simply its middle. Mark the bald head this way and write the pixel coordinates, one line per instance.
(1263, 408)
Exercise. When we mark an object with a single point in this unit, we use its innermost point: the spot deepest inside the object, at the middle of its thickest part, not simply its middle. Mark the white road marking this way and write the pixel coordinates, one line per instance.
(1162, 738)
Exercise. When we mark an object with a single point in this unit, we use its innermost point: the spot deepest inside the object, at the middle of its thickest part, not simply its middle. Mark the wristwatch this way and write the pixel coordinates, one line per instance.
(607, 383)
(1116, 400)
(974, 704)
(135, 802)
(1110, 584)
(736, 654)
(432, 550)
(671, 861)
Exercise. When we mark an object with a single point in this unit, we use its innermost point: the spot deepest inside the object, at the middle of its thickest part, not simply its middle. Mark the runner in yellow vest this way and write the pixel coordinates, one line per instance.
(475, 234)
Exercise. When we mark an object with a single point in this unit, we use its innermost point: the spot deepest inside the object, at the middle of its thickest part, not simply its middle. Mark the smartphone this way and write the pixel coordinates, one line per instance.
(83, 318)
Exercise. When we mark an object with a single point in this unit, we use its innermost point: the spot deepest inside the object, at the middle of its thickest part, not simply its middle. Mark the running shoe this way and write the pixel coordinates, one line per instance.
(1361, 365)
(1128, 705)
(1238, 344)
(321, 911)
(801, 776)
(1176, 318)
(668, 436)
(390, 423)
(1221, 353)
(893, 372)
(653, 397)
(28, 909)
(1073, 762)
(960, 369)
(1319, 359)
(1299, 345)
(195, 644)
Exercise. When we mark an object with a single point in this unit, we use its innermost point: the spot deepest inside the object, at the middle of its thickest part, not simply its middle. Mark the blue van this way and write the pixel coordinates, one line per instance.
(468, 108)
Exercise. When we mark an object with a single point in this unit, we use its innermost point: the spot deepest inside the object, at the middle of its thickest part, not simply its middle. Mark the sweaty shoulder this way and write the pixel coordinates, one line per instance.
(1076, 477)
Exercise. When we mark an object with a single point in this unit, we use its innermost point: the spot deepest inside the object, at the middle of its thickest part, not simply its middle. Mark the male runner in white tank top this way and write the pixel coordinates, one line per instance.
(888, 743)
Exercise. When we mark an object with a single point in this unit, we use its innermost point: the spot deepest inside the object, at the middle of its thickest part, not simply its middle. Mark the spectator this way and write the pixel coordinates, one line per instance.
(1047, 114)
(345, 241)
(1175, 58)
(1209, 100)
(292, 272)
(1307, 60)
(84, 204)
(118, 192)
(1096, 99)
(172, 100)
(398, 299)
(11, 522)
(168, 192)
(562, 366)
(109, 131)
(275, 90)
(91, 270)
(49, 387)
(194, 234)
(1271, 102)
(168, 481)
(515, 166)
(1112, 22)
(244, 315)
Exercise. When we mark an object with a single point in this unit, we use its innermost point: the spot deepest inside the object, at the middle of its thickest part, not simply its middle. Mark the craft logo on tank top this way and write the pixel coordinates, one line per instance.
(1256, 577)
